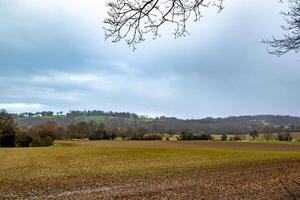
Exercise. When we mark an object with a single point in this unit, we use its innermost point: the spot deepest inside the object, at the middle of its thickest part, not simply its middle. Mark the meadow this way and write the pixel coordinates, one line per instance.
(85, 169)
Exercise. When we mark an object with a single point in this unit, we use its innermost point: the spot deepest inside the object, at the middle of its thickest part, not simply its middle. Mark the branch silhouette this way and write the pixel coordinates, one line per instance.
(291, 38)
(131, 20)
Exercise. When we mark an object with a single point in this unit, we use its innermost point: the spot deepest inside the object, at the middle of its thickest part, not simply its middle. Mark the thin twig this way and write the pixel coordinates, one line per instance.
(131, 20)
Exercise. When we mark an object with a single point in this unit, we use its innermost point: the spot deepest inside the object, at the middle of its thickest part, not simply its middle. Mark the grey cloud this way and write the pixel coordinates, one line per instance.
(60, 61)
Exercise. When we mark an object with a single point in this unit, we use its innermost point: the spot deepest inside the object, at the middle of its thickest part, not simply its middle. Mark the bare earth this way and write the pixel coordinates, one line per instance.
(251, 182)
(257, 180)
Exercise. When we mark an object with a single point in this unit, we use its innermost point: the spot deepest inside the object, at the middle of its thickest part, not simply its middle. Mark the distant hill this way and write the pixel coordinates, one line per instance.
(237, 125)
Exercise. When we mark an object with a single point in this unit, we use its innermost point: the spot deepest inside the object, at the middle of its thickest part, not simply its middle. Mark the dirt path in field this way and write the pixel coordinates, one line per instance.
(256, 181)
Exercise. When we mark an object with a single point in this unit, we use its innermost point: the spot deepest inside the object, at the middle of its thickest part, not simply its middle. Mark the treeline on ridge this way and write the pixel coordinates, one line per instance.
(126, 120)
(76, 113)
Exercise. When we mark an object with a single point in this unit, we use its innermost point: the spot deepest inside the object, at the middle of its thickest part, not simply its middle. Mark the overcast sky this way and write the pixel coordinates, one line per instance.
(53, 57)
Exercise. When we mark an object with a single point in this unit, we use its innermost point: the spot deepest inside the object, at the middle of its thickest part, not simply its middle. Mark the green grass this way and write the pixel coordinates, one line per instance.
(54, 117)
(114, 163)
(90, 118)
(102, 119)
(56, 145)
(85, 118)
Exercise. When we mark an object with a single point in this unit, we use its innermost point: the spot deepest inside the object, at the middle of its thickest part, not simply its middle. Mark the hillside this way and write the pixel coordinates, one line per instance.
(239, 124)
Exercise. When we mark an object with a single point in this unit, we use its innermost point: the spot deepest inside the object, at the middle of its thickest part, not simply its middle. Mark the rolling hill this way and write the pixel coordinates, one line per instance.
(239, 124)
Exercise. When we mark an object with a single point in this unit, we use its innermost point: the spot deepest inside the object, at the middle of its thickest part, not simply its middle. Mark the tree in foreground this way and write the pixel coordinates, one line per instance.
(291, 38)
(132, 19)
(7, 130)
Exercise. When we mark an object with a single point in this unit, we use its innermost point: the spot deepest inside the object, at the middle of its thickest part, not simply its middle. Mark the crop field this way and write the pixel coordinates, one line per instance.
(151, 170)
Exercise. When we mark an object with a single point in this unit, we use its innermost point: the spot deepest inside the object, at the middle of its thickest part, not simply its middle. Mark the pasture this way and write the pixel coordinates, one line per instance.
(85, 169)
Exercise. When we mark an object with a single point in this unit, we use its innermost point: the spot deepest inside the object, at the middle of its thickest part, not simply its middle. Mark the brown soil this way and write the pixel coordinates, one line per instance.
(185, 144)
(255, 181)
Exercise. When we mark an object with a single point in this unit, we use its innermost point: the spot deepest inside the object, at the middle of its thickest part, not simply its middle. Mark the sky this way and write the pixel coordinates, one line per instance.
(53, 56)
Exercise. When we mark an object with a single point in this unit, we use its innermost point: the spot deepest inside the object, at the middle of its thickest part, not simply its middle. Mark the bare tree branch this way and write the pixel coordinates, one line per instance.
(132, 19)
(291, 38)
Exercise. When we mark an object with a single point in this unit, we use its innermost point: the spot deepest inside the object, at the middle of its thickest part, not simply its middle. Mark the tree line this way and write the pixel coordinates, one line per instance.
(125, 120)
(45, 134)
(76, 113)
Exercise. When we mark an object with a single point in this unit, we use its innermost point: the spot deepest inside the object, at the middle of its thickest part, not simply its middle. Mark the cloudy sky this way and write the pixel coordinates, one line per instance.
(53, 57)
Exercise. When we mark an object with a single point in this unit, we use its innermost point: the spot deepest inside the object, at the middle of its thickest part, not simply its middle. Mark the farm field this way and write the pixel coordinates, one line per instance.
(150, 170)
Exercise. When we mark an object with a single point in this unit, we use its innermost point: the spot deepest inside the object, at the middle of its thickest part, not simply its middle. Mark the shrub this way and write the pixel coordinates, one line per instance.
(224, 137)
(41, 141)
(235, 138)
(136, 136)
(97, 135)
(152, 137)
(201, 137)
(284, 136)
(191, 136)
(22, 139)
(186, 136)
(106, 136)
(42, 135)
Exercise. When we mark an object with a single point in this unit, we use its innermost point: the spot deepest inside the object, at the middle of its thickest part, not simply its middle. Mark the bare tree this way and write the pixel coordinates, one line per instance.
(291, 37)
(132, 19)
